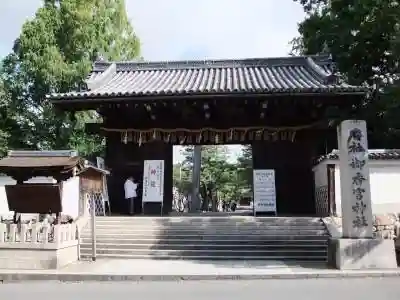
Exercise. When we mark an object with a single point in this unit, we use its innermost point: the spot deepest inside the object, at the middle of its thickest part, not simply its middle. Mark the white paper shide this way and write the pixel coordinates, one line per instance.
(153, 181)
(264, 191)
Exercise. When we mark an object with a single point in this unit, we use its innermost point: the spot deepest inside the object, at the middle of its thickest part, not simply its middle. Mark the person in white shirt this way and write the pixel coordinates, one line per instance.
(130, 187)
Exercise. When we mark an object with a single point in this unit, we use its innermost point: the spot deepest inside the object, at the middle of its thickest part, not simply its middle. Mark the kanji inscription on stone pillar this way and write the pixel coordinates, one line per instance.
(354, 179)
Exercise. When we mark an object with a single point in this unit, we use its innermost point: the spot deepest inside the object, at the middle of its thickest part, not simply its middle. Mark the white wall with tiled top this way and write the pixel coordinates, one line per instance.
(384, 181)
(320, 175)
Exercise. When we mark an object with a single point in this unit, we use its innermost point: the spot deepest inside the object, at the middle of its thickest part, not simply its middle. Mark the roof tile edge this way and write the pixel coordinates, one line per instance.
(38, 153)
(103, 78)
(212, 63)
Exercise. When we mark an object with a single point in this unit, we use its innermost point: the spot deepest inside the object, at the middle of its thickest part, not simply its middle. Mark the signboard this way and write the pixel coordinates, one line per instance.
(264, 191)
(153, 181)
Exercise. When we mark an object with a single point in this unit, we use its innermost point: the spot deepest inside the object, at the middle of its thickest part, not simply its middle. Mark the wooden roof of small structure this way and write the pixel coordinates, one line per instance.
(23, 165)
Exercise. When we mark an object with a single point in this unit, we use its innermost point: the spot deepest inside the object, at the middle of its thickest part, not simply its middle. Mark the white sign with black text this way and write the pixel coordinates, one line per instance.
(264, 191)
(153, 181)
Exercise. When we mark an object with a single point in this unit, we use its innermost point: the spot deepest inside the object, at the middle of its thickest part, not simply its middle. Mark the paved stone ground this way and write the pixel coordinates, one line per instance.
(132, 270)
(311, 289)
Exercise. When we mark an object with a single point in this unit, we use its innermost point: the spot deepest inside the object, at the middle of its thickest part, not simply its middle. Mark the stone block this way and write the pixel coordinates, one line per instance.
(358, 254)
(38, 257)
(382, 220)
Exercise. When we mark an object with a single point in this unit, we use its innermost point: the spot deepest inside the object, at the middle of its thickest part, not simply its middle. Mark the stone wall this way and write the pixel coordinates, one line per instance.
(386, 226)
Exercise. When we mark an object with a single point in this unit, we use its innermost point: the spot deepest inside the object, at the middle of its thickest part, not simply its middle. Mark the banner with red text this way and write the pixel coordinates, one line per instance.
(153, 181)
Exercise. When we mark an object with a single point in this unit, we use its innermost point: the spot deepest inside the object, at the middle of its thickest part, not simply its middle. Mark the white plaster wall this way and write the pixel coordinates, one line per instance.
(70, 194)
(385, 187)
(320, 175)
(70, 197)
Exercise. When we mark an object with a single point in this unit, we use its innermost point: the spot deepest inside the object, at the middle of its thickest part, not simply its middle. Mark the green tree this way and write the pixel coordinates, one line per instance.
(364, 39)
(5, 118)
(216, 171)
(245, 166)
(54, 53)
(181, 178)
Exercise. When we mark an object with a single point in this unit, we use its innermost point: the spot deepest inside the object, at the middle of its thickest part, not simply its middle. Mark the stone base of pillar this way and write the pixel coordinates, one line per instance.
(358, 254)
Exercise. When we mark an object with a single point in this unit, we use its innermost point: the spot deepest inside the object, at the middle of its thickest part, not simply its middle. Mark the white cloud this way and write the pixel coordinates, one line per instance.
(190, 29)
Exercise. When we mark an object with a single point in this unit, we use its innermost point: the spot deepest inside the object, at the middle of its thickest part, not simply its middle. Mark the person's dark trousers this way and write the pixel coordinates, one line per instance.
(131, 202)
(138, 205)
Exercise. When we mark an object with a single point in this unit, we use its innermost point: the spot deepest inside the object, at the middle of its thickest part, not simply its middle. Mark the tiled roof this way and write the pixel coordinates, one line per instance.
(373, 154)
(302, 74)
(39, 162)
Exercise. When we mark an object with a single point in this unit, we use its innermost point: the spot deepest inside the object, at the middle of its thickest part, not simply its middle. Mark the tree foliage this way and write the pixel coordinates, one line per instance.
(245, 166)
(363, 37)
(5, 118)
(54, 53)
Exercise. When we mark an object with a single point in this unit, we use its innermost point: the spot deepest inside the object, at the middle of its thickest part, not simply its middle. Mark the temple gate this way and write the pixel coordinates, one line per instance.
(283, 107)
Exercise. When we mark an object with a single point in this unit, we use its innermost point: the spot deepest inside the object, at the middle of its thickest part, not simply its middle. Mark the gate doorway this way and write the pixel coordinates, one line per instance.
(225, 179)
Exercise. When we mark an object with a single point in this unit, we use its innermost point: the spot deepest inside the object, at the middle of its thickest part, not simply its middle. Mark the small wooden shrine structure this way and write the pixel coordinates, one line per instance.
(44, 198)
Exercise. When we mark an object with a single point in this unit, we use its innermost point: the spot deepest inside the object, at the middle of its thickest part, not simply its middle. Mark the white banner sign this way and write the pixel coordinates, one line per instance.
(264, 191)
(153, 181)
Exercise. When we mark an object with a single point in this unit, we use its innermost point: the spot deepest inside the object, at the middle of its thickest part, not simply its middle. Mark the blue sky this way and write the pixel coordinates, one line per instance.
(190, 29)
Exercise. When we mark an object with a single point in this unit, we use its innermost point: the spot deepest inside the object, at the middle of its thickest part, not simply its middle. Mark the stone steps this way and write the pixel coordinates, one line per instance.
(233, 231)
(216, 247)
(207, 242)
(200, 238)
(296, 259)
(196, 222)
(225, 236)
(249, 227)
(210, 252)
(220, 238)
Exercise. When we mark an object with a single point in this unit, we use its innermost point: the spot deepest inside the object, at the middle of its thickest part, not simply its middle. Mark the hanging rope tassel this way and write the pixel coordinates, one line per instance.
(140, 141)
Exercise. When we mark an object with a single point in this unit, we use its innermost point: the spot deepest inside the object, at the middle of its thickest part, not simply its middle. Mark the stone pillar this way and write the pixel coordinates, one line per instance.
(357, 249)
(354, 179)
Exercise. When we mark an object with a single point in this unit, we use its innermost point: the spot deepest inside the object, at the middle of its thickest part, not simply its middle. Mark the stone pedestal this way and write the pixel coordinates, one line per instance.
(357, 249)
(37, 256)
(356, 254)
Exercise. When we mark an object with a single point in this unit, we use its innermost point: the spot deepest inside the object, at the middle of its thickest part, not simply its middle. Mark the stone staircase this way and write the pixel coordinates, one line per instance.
(216, 238)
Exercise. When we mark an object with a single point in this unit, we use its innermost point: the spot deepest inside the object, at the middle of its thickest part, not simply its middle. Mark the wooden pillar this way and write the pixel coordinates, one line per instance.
(168, 179)
(158, 150)
(262, 160)
(293, 174)
(126, 160)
